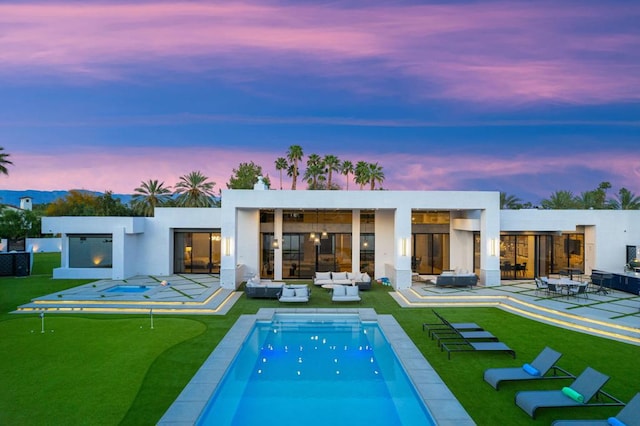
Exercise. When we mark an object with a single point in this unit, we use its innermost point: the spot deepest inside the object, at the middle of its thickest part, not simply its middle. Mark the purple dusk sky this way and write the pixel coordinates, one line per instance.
(522, 97)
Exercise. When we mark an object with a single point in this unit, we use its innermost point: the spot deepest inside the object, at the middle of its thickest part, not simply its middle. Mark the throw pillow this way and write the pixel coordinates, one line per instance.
(288, 292)
(365, 278)
(323, 275)
(339, 290)
(302, 292)
(338, 275)
(612, 421)
(573, 394)
(530, 370)
(352, 290)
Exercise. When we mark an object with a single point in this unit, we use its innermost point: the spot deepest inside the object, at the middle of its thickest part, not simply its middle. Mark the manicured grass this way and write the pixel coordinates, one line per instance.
(102, 369)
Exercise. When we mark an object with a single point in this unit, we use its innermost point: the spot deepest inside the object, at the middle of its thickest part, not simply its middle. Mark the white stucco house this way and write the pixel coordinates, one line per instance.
(396, 234)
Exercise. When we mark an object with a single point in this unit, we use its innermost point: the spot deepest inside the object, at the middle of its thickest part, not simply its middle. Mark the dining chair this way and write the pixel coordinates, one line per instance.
(577, 290)
(541, 286)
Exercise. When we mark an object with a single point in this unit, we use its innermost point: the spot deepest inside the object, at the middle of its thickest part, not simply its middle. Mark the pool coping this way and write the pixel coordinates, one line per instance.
(443, 405)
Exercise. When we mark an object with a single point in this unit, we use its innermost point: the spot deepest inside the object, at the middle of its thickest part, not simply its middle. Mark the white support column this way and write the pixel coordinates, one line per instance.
(355, 241)
(277, 252)
(402, 234)
(228, 248)
(490, 247)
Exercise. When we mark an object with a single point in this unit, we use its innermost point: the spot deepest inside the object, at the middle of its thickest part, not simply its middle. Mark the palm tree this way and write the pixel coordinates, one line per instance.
(315, 169)
(361, 173)
(375, 174)
(560, 200)
(509, 201)
(148, 196)
(347, 169)
(294, 154)
(331, 164)
(626, 200)
(4, 161)
(193, 190)
(281, 164)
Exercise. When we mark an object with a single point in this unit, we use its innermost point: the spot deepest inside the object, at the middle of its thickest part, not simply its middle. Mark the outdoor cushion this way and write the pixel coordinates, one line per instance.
(353, 276)
(323, 275)
(288, 292)
(530, 370)
(301, 292)
(339, 290)
(365, 278)
(576, 396)
(352, 290)
(338, 276)
(615, 422)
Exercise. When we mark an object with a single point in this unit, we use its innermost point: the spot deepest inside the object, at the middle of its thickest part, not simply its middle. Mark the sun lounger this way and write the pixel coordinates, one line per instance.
(536, 370)
(629, 416)
(445, 325)
(579, 394)
(453, 334)
(470, 346)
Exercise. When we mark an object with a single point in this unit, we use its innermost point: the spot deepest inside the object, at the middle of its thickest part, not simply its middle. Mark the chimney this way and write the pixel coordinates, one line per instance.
(25, 203)
(260, 185)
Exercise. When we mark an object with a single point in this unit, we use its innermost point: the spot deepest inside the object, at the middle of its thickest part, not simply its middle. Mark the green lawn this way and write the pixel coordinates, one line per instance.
(114, 369)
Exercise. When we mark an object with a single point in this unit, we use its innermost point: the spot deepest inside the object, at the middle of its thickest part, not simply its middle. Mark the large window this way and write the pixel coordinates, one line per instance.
(430, 253)
(197, 252)
(526, 256)
(302, 256)
(517, 256)
(90, 251)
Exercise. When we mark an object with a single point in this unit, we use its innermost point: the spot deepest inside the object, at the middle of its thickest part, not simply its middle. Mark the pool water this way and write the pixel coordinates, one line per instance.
(315, 372)
(128, 289)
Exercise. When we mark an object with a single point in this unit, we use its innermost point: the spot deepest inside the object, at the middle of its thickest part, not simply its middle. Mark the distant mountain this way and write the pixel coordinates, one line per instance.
(45, 197)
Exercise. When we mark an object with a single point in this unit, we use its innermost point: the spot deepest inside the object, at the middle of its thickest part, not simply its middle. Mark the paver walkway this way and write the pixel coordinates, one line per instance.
(615, 315)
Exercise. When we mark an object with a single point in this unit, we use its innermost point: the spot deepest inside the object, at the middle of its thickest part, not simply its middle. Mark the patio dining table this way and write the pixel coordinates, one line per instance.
(563, 284)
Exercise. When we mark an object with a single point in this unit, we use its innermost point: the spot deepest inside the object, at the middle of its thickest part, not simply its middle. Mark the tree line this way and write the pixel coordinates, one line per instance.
(195, 189)
(596, 199)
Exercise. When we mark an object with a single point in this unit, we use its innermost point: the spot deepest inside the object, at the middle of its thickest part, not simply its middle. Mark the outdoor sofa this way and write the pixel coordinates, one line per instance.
(266, 289)
(294, 293)
(345, 293)
(450, 279)
(362, 280)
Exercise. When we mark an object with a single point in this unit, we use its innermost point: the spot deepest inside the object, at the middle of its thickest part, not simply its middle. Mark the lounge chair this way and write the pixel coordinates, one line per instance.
(578, 394)
(445, 325)
(629, 416)
(470, 346)
(536, 370)
(442, 335)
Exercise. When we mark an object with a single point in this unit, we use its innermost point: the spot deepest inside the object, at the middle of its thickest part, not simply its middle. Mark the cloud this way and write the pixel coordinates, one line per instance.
(490, 52)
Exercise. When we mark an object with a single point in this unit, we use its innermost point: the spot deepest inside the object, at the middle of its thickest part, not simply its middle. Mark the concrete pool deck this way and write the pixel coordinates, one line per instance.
(444, 407)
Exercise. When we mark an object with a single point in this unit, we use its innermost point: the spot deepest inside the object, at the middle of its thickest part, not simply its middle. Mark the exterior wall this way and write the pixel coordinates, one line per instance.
(117, 226)
(155, 248)
(607, 232)
(145, 246)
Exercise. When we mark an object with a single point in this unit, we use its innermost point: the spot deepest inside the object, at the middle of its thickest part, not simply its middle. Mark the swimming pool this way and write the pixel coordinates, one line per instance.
(316, 370)
(127, 289)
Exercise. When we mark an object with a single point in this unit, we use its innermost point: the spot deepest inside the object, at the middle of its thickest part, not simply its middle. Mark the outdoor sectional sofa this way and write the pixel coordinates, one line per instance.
(266, 289)
(456, 280)
(362, 280)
